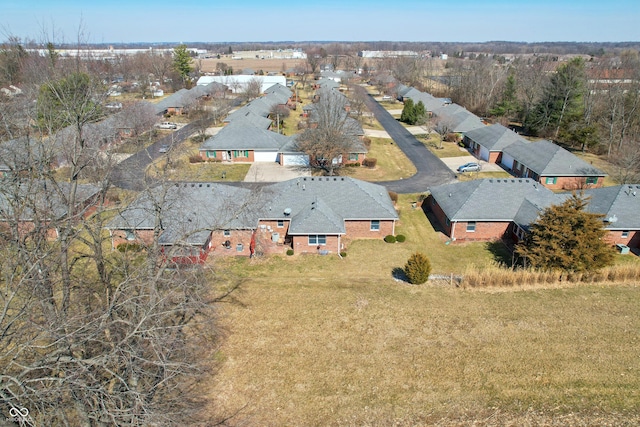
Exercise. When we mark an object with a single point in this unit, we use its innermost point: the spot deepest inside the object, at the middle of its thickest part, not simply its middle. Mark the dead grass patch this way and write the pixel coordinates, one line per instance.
(392, 163)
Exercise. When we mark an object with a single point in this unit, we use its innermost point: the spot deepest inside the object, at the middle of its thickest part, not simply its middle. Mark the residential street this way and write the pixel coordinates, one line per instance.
(130, 173)
(431, 170)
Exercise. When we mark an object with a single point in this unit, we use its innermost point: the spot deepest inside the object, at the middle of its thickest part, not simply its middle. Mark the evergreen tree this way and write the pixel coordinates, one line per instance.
(407, 111)
(562, 100)
(417, 268)
(419, 113)
(508, 105)
(566, 237)
(182, 61)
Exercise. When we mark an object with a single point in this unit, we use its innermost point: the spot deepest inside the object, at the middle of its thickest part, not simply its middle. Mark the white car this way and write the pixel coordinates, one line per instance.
(387, 98)
(168, 125)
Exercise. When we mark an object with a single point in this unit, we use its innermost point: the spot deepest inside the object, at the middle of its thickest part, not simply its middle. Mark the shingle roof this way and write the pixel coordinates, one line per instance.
(239, 135)
(491, 199)
(621, 204)
(548, 159)
(494, 137)
(314, 206)
(459, 119)
(521, 201)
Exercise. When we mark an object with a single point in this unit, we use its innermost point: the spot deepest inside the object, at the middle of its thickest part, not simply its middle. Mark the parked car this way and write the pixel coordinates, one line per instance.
(168, 125)
(387, 98)
(470, 167)
(164, 148)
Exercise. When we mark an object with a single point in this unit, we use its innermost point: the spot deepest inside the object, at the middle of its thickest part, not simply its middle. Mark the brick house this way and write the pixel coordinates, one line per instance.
(490, 209)
(487, 142)
(309, 215)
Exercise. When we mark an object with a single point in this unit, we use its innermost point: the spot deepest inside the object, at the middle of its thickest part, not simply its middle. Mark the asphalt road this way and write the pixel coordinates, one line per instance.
(431, 171)
(130, 173)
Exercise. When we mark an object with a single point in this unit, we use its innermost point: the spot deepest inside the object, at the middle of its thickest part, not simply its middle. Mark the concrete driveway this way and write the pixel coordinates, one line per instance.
(273, 172)
(453, 163)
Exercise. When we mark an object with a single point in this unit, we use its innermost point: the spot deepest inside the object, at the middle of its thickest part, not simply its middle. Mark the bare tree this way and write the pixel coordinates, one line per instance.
(279, 113)
(330, 134)
(252, 89)
(88, 336)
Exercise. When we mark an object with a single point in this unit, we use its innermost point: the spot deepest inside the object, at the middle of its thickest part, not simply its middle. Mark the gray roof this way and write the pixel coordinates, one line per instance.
(239, 135)
(620, 205)
(49, 198)
(460, 119)
(313, 205)
(521, 200)
(495, 137)
(189, 211)
(548, 159)
(249, 118)
(493, 199)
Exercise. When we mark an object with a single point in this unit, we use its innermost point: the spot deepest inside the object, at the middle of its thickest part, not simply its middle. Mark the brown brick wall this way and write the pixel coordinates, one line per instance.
(439, 214)
(570, 183)
(301, 245)
(362, 229)
(632, 240)
(219, 156)
(484, 231)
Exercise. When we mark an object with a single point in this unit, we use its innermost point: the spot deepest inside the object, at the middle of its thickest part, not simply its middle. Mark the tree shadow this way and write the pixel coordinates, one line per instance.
(502, 252)
(399, 274)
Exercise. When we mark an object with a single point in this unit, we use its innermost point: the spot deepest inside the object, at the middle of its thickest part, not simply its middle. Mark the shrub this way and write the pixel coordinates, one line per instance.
(417, 268)
(195, 159)
(393, 196)
(400, 238)
(370, 162)
(289, 252)
(343, 254)
(390, 238)
(452, 137)
(129, 247)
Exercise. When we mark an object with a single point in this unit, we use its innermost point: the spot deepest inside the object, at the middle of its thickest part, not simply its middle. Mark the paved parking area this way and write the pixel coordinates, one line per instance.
(273, 172)
(453, 163)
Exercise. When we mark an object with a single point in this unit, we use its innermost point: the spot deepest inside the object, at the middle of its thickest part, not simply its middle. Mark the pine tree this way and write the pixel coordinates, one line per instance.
(562, 100)
(420, 112)
(182, 61)
(568, 238)
(417, 268)
(407, 111)
(508, 105)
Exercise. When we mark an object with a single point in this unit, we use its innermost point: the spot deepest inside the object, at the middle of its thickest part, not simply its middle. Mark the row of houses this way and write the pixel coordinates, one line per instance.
(248, 135)
(542, 161)
(490, 209)
(317, 215)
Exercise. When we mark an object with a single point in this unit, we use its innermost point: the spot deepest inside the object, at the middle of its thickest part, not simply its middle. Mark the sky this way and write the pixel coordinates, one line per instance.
(126, 21)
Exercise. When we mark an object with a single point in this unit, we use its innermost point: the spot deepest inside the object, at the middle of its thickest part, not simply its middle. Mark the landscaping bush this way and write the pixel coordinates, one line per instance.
(452, 137)
(417, 268)
(400, 238)
(370, 162)
(196, 159)
(129, 247)
(289, 252)
(390, 238)
(393, 196)
(343, 254)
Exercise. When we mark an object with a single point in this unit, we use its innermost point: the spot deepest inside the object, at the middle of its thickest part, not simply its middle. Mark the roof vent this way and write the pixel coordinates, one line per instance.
(287, 212)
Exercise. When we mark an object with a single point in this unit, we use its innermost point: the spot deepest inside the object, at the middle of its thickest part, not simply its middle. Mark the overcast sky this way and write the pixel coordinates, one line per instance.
(114, 21)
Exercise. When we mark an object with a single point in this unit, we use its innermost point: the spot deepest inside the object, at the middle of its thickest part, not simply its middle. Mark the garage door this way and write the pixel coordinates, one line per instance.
(295, 160)
(265, 156)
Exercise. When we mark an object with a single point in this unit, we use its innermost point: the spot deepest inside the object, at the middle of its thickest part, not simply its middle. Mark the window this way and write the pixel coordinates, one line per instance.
(592, 180)
(280, 223)
(471, 226)
(375, 225)
(130, 235)
(551, 180)
(226, 233)
(317, 239)
(211, 154)
(353, 157)
(625, 234)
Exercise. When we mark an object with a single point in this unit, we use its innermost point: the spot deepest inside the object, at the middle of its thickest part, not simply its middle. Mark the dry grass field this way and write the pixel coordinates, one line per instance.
(324, 341)
(317, 348)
